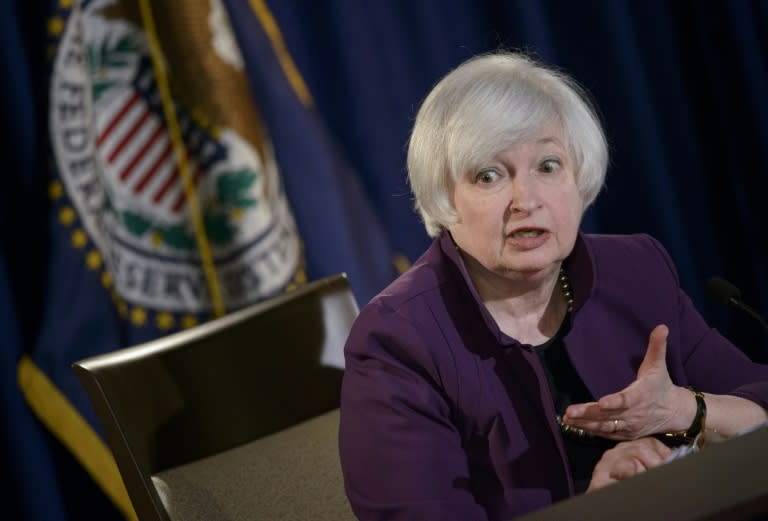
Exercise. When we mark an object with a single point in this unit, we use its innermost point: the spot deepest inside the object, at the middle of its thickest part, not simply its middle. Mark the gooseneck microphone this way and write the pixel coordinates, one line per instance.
(722, 291)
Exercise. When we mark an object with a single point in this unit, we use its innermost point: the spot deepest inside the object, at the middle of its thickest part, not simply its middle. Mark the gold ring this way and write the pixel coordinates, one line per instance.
(615, 425)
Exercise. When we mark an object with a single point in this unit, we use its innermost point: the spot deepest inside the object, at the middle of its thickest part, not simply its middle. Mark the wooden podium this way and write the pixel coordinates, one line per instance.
(724, 482)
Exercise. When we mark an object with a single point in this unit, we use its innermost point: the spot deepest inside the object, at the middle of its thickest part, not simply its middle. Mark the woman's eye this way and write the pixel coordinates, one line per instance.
(486, 176)
(549, 165)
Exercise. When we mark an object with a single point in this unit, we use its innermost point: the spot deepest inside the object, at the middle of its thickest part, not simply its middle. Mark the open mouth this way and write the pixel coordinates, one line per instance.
(519, 234)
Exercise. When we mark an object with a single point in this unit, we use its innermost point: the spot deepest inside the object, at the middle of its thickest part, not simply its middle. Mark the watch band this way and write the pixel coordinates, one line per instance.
(699, 424)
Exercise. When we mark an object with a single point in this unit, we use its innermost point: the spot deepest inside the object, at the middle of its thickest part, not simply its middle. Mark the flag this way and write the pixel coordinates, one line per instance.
(339, 228)
(186, 180)
(26, 452)
(26, 449)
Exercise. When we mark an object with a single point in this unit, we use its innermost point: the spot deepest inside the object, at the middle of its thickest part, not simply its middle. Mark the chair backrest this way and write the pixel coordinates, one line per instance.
(192, 395)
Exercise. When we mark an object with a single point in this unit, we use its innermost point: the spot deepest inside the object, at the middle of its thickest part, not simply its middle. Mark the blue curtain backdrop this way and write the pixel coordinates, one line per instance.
(682, 87)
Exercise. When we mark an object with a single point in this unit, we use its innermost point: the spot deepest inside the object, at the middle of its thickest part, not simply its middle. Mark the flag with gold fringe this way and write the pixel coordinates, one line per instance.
(186, 181)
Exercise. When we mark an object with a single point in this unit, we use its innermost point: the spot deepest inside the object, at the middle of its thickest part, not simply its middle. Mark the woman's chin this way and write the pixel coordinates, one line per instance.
(530, 271)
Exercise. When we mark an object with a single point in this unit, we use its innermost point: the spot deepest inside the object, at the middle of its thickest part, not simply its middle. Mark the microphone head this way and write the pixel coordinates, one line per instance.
(723, 291)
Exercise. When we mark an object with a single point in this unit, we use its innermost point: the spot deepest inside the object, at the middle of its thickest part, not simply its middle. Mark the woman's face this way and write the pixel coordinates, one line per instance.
(519, 214)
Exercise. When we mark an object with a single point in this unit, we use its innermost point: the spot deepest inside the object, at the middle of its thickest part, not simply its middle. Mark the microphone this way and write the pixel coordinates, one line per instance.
(722, 291)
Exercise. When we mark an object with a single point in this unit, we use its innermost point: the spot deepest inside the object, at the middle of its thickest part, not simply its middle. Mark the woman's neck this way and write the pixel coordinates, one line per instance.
(529, 310)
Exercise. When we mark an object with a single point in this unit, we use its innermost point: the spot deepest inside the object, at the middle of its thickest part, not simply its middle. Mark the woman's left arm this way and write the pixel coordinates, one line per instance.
(728, 415)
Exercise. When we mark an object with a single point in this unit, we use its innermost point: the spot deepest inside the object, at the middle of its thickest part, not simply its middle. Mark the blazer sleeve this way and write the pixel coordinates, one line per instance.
(711, 362)
(401, 454)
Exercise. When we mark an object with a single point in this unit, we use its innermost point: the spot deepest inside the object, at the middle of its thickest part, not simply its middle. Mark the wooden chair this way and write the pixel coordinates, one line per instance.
(236, 418)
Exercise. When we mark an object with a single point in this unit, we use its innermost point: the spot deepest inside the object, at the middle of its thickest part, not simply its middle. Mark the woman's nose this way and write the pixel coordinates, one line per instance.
(524, 196)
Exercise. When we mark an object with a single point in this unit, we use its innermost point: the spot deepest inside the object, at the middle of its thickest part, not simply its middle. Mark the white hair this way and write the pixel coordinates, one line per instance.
(483, 107)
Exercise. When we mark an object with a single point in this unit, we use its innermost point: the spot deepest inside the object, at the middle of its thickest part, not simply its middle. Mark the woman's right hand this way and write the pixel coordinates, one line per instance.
(626, 460)
(651, 404)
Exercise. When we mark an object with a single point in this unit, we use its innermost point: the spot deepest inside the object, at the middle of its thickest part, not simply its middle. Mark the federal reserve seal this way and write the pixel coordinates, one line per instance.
(115, 158)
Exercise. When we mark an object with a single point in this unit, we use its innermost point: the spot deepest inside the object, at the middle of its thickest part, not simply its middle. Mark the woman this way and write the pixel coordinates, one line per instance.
(471, 381)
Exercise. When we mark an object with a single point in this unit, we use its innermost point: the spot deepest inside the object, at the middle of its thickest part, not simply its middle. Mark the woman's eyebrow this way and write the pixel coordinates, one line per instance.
(549, 140)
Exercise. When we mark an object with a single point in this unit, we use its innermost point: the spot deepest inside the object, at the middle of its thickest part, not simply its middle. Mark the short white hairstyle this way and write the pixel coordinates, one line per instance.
(483, 107)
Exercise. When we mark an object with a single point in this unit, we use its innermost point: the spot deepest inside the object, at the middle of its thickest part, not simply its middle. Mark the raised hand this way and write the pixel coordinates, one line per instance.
(651, 404)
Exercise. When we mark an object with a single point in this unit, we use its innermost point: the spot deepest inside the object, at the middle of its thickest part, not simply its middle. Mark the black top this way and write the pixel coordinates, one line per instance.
(566, 387)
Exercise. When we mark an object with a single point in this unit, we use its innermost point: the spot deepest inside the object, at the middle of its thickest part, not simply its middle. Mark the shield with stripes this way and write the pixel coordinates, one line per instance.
(120, 169)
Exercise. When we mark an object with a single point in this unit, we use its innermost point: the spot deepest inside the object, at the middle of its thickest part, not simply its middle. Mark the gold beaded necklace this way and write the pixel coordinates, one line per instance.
(565, 287)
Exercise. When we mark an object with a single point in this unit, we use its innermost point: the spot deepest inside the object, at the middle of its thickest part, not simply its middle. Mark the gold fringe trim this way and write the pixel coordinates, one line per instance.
(65, 422)
(401, 262)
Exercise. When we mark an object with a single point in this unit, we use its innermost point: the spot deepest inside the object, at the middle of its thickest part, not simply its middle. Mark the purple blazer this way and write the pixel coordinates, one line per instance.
(443, 416)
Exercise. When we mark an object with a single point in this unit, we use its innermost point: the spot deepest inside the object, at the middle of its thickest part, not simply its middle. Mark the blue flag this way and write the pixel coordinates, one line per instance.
(337, 223)
(26, 449)
(171, 203)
